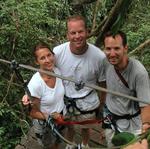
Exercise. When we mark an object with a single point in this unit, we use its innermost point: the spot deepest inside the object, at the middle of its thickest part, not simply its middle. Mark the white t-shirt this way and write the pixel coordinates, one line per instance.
(51, 98)
(86, 67)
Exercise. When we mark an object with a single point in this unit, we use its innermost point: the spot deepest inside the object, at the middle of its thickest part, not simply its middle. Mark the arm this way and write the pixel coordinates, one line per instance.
(37, 114)
(102, 95)
(138, 145)
(145, 117)
(145, 113)
(143, 93)
(35, 110)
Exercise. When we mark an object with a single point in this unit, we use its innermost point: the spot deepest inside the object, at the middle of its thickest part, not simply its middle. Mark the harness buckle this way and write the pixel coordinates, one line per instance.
(79, 85)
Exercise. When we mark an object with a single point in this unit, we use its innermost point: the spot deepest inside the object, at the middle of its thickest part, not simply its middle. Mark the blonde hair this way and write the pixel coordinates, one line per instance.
(76, 18)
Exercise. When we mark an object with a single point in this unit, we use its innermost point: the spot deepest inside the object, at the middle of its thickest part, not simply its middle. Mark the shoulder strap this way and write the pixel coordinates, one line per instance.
(121, 78)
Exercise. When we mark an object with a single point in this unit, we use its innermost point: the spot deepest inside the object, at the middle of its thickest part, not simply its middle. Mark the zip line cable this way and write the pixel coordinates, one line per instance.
(77, 82)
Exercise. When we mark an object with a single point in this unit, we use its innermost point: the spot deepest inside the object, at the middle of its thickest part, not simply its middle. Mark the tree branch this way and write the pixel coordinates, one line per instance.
(96, 31)
(16, 21)
(113, 15)
(94, 15)
(8, 89)
(140, 47)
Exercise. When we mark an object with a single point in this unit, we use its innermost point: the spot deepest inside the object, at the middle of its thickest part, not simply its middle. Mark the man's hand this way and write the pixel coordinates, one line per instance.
(138, 145)
(145, 126)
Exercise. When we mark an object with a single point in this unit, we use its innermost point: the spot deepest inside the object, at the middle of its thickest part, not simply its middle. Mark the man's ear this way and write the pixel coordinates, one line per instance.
(88, 31)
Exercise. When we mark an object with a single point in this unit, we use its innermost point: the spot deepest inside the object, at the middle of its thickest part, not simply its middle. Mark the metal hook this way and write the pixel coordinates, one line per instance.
(14, 65)
(79, 85)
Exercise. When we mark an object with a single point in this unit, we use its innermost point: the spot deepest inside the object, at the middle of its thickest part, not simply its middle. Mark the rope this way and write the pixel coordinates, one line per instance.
(51, 123)
(72, 80)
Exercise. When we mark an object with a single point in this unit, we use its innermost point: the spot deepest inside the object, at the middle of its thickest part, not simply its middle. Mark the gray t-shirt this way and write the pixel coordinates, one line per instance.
(137, 78)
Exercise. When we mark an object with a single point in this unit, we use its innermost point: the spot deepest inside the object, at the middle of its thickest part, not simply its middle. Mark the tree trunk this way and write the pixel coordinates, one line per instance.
(120, 6)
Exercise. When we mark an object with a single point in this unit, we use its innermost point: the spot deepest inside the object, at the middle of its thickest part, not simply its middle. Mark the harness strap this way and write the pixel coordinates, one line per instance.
(111, 120)
(121, 77)
(126, 116)
(72, 107)
(86, 112)
(70, 98)
(63, 122)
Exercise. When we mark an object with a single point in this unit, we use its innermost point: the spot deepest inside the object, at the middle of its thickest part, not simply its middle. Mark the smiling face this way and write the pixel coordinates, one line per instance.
(45, 58)
(77, 35)
(115, 51)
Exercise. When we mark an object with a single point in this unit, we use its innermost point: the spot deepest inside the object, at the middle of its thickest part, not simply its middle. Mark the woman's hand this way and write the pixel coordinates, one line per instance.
(56, 115)
(25, 100)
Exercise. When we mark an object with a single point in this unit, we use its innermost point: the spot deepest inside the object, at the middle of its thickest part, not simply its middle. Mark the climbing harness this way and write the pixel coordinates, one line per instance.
(72, 107)
(110, 118)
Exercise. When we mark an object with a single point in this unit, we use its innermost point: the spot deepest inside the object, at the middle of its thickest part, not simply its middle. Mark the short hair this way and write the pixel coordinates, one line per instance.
(39, 46)
(113, 34)
(76, 18)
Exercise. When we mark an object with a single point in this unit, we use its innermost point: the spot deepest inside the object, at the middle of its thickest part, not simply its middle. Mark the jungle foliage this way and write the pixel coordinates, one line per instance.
(24, 22)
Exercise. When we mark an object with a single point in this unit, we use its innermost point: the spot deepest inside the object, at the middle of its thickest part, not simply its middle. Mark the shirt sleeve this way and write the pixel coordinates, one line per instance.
(35, 88)
(56, 50)
(143, 87)
(102, 69)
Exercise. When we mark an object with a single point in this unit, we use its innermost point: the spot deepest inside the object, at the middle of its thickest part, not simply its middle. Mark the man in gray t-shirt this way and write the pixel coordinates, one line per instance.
(128, 76)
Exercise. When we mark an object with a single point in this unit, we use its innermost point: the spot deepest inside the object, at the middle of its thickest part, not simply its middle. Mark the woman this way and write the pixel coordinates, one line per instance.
(47, 92)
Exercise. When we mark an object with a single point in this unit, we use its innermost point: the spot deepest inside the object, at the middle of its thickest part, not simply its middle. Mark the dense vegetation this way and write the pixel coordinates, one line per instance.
(23, 22)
